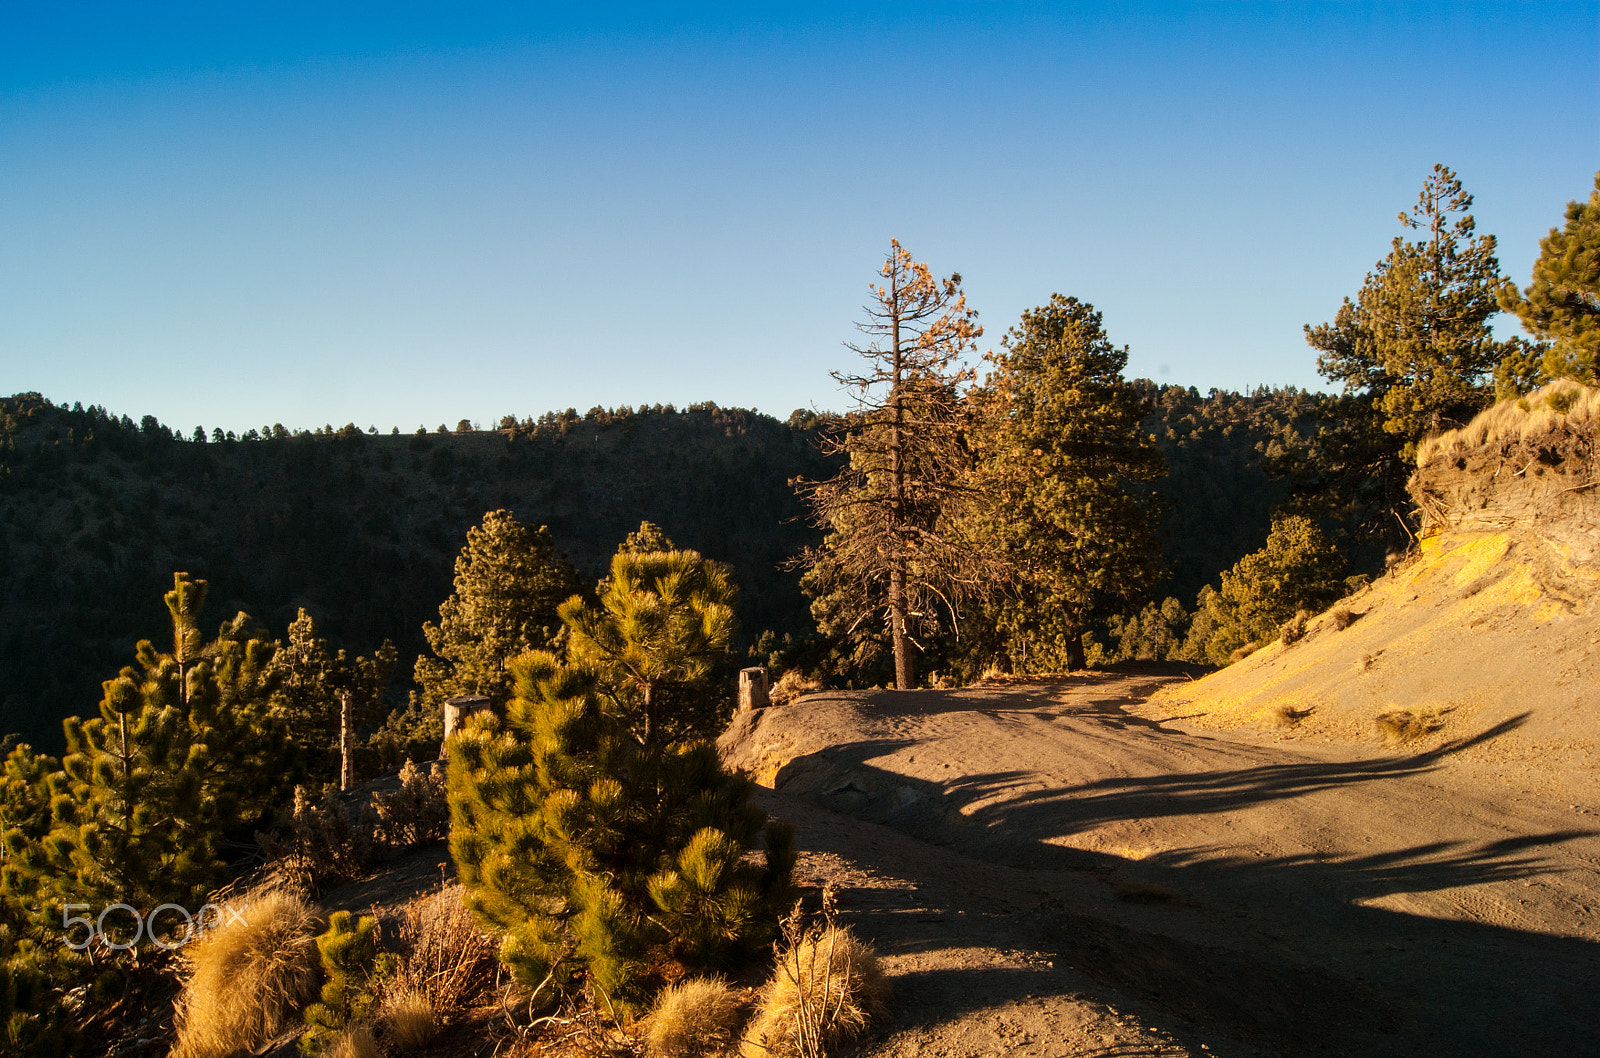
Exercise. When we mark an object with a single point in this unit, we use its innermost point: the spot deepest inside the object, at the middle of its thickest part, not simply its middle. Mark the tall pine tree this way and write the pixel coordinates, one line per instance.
(892, 513)
(508, 582)
(1063, 459)
(1413, 354)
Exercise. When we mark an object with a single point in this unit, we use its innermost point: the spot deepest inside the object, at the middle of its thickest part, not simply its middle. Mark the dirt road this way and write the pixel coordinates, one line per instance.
(1053, 873)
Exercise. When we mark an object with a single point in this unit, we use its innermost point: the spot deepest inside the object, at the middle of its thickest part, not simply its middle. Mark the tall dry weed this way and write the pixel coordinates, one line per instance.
(445, 957)
(248, 977)
(826, 989)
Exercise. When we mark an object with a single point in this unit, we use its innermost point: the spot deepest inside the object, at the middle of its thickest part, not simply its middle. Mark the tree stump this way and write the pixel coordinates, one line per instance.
(456, 712)
(753, 689)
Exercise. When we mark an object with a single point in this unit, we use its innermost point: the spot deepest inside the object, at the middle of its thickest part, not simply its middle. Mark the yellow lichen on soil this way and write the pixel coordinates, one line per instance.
(1480, 555)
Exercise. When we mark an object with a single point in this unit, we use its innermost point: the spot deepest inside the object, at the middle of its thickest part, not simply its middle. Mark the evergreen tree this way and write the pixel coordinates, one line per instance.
(183, 752)
(664, 619)
(1562, 302)
(1417, 337)
(317, 691)
(1298, 569)
(599, 833)
(1062, 458)
(891, 514)
(1412, 353)
(508, 583)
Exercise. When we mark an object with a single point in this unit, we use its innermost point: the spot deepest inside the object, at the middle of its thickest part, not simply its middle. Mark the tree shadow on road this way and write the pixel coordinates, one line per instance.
(1283, 951)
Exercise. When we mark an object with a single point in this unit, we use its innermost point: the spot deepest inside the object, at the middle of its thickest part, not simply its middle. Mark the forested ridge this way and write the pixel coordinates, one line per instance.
(96, 511)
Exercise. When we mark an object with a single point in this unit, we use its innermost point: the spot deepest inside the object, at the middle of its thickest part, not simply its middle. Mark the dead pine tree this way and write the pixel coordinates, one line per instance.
(891, 514)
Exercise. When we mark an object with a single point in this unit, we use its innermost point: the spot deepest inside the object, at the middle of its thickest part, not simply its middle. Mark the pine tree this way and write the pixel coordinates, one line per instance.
(595, 829)
(508, 582)
(1062, 456)
(353, 967)
(891, 514)
(1298, 569)
(1418, 335)
(1562, 302)
(1412, 352)
(182, 753)
(664, 618)
(322, 695)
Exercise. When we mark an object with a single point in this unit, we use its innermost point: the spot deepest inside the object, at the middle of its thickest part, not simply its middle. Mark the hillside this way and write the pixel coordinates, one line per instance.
(97, 511)
(1487, 632)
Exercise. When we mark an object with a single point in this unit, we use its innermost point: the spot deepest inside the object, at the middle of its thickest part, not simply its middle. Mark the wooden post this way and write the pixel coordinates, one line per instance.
(753, 689)
(456, 711)
(346, 771)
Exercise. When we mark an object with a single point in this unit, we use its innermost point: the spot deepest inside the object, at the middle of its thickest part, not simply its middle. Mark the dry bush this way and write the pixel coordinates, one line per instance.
(1289, 715)
(1546, 408)
(1243, 652)
(1341, 619)
(407, 1018)
(417, 812)
(1294, 629)
(356, 1041)
(826, 989)
(1403, 725)
(696, 1017)
(247, 977)
(791, 685)
(445, 957)
(318, 841)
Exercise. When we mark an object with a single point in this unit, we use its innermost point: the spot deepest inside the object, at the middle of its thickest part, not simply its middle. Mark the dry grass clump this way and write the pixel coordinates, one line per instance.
(1294, 629)
(447, 959)
(1243, 652)
(356, 1041)
(407, 1018)
(1546, 408)
(1289, 715)
(1404, 725)
(791, 685)
(247, 977)
(695, 1017)
(1341, 618)
(827, 987)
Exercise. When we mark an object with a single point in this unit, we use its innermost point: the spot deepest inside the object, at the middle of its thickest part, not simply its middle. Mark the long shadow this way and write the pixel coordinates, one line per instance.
(1302, 966)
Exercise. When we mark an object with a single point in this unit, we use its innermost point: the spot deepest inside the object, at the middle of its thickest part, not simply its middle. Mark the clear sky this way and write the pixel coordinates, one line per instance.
(411, 213)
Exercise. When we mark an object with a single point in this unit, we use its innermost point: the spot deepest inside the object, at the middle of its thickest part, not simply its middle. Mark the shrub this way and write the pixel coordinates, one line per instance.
(354, 968)
(417, 812)
(445, 956)
(697, 1016)
(826, 989)
(1403, 725)
(320, 841)
(1294, 629)
(1341, 618)
(247, 977)
(408, 1018)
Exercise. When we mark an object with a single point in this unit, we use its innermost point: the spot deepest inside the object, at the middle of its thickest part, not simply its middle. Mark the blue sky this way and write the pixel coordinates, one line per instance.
(411, 214)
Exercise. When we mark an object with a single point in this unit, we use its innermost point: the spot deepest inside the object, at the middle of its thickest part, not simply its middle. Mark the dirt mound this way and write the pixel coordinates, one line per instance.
(1490, 626)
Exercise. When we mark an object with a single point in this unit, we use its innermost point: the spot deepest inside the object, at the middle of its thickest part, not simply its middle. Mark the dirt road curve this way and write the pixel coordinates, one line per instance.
(1052, 873)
